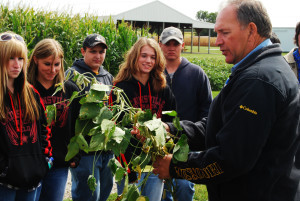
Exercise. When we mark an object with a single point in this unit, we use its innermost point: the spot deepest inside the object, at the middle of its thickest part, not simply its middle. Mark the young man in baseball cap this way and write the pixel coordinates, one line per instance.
(192, 92)
(93, 52)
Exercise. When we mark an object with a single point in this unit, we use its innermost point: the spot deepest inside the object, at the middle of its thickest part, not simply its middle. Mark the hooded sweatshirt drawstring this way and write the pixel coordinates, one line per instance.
(19, 129)
(150, 98)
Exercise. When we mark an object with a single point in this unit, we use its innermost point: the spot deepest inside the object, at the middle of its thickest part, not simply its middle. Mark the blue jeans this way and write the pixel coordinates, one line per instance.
(104, 178)
(184, 190)
(153, 188)
(7, 194)
(53, 185)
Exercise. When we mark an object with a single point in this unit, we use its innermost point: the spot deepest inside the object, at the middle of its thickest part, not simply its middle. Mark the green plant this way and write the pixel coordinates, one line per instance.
(216, 70)
(108, 127)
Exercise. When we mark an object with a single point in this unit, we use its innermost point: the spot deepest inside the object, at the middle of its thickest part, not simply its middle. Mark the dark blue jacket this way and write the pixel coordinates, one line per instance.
(192, 91)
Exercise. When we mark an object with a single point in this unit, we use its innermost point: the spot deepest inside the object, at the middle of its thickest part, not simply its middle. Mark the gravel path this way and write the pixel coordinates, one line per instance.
(68, 188)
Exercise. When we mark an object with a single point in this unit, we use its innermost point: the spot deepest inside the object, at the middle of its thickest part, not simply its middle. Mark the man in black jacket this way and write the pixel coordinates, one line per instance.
(192, 92)
(93, 52)
(251, 133)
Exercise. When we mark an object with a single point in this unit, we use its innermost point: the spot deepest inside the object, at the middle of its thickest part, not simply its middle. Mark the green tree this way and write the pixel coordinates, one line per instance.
(205, 16)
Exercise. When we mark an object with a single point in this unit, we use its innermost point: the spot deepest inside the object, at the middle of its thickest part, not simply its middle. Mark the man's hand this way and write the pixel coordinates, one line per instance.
(161, 166)
(166, 127)
(135, 131)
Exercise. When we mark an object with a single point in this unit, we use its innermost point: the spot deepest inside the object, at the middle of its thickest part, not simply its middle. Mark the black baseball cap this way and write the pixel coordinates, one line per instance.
(94, 39)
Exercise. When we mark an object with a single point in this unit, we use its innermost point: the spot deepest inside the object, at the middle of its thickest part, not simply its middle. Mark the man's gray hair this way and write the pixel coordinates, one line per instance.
(252, 11)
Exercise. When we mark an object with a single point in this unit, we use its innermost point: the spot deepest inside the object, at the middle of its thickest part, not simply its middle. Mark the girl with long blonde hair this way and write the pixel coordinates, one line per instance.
(46, 72)
(141, 76)
(24, 139)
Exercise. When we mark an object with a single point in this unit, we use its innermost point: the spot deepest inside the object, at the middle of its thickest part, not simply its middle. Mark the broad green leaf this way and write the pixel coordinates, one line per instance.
(73, 149)
(181, 149)
(170, 113)
(133, 192)
(79, 125)
(113, 146)
(83, 126)
(160, 135)
(144, 116)
(107, 125)
(153, 124)
(51, 114)
(100, 87)
(108, 128)
(177, 124)
(125, 142)
(89, 111)
(105, 113)
(118, 135)
(98, 142)
(82, 100)
(81, 142)
(95, 131)
(120, 172)
(95, 96)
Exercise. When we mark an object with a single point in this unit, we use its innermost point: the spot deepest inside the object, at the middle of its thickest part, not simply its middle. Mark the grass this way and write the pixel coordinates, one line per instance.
(200, 193)
(203, 49)
(215, 93)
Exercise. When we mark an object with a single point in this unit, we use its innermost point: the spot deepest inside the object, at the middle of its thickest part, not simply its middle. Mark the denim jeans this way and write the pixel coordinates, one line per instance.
(7, 194)
(53, 185)
(184, 190)
(104, 178)
(153, 188)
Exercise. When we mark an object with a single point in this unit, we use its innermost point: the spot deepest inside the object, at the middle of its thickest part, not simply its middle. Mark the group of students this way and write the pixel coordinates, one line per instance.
(32, 154)
(243, 147)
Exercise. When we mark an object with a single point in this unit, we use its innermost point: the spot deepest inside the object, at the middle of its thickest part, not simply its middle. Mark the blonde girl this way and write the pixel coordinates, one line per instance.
(24, 141)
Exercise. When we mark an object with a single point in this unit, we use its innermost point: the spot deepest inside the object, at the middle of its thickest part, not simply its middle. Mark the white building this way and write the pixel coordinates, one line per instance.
(286, 37)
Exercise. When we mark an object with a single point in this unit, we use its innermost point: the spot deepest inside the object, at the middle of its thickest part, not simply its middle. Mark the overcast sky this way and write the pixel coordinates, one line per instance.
(283, 13)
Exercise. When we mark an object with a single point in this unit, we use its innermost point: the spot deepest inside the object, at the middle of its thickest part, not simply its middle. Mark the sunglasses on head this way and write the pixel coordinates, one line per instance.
(8, 36)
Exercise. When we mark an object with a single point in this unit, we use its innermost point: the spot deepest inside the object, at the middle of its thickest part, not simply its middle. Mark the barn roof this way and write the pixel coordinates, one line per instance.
(157, 11)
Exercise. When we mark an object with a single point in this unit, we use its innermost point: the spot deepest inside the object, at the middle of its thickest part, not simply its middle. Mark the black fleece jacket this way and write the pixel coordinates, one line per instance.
(250, 135)
(23, 156)
(192, 91)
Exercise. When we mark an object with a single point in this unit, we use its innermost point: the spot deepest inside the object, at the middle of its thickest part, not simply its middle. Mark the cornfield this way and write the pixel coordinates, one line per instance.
(203, 41)
(70, 30)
